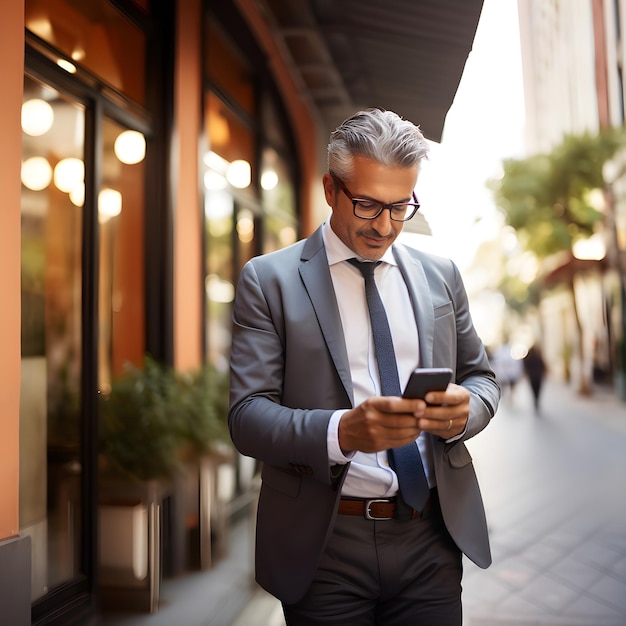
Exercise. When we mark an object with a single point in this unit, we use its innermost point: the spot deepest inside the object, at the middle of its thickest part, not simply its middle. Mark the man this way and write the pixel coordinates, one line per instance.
(336, 541)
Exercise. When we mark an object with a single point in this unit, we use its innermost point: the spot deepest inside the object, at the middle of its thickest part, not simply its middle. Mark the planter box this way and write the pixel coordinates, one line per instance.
(130, 544)
(210, 487)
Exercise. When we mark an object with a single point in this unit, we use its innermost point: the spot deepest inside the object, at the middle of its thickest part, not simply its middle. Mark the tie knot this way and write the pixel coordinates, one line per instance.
(366, 268)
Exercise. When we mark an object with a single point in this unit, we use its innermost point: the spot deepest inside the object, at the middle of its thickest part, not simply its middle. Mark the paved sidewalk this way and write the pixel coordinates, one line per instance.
(553, 486)
(554, 491)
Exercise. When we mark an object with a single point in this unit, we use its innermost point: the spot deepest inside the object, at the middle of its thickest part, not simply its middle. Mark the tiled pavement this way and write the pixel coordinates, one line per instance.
(554, 487)
(555, 491)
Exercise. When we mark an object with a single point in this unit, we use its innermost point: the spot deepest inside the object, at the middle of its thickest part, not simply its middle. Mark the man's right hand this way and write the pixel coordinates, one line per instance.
(380, 423)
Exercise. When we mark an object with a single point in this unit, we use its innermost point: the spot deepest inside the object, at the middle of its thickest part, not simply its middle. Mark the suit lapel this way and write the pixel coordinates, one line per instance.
(419, 292)
(318, 284)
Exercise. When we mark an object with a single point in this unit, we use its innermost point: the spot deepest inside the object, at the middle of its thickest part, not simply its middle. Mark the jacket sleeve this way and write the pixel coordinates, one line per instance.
(473, 370)
(260, 425)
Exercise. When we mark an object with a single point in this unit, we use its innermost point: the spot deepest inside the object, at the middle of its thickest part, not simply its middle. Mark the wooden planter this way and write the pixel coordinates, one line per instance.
(130, 541)
(208, 487)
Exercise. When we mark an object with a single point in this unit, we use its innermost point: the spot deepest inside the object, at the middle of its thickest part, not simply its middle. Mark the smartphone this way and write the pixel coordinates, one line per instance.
(425, 379)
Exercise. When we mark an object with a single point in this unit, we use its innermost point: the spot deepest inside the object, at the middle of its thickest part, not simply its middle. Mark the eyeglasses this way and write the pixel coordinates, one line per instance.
(369, 209)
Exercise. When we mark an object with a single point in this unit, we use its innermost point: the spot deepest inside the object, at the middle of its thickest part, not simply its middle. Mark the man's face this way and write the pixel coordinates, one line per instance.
(369, 238)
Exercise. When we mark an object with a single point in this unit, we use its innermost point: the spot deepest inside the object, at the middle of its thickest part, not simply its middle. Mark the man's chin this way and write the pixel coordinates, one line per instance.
(372, 255)
(373, 249)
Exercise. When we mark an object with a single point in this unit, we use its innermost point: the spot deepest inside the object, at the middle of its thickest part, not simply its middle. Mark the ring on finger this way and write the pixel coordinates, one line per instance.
(449, 425)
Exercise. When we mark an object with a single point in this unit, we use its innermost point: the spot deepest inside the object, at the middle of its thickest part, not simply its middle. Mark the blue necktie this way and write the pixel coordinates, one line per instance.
(405, 460)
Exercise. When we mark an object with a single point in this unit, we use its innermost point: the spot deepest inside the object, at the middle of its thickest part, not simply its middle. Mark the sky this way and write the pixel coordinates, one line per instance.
(484, 125)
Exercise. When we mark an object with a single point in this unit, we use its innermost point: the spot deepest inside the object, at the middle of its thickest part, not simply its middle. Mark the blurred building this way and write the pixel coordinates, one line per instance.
(160, 145)
(573, 58)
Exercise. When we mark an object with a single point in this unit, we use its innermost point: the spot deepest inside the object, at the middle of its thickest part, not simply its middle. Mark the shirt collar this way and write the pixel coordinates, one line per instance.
(337, 251)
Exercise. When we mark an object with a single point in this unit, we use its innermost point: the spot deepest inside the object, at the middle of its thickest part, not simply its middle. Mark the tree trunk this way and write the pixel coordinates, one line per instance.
(584, 374)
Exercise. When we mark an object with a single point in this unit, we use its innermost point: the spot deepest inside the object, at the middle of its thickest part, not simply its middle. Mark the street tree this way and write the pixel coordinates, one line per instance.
(549, 200)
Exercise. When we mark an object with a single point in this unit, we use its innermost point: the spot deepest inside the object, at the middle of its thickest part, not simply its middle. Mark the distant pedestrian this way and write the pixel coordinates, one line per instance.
(535, 369)
(508, 369)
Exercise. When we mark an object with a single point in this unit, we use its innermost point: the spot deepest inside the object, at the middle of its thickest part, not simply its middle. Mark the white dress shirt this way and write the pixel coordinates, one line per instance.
(369, 474)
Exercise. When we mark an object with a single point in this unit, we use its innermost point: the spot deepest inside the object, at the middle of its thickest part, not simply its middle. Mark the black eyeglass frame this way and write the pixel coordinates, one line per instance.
(415, 205)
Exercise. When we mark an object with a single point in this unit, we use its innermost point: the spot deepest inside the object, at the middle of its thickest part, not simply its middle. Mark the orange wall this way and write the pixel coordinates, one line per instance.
(188, 327)
(12, 80)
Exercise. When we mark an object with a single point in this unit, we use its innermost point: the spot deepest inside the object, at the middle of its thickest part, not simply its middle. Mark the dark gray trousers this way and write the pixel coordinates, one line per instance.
(384, 573)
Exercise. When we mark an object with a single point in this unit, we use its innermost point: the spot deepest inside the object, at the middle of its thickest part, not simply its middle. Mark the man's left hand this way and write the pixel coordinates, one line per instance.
(447, 412)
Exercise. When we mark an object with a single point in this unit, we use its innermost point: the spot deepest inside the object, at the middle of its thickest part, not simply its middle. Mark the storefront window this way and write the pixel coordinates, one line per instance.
(51, 274)
(219, 281)
(277, 177)
(228, 69)
(278, 200)
(94, 35)
(53, 199)
(250, 199)
(121, 276)
(83, 264)
(230, 158)
(230, 231)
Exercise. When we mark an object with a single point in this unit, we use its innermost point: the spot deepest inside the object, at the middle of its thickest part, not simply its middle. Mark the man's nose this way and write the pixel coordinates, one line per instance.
(383, 224)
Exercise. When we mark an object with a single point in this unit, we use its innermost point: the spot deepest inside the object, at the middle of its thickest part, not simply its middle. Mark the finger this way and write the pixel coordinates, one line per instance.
(393, 404)
(444, 426)
(453, 395)
(451, 429)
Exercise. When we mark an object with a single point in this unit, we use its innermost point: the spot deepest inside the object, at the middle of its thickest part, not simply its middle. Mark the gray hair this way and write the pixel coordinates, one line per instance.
(379, 135)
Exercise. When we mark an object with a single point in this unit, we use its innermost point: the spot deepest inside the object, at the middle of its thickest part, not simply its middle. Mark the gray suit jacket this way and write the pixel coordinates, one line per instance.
(290, 371)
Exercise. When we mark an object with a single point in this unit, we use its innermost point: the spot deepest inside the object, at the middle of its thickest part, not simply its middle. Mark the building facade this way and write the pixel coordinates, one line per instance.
(573, 60)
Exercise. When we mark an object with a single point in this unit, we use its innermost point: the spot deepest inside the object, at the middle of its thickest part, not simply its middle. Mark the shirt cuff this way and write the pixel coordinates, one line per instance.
(335, 455)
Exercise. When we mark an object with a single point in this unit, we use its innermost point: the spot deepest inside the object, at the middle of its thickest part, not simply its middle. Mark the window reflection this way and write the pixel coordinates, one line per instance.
(219, 217)
(231, 145)
(120, 268)
(228, 190)
(50, 405)
(53, 198)
(278, 199)
(250, 201)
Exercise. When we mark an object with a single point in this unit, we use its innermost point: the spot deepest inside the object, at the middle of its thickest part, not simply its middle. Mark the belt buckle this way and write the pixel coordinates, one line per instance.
(368, 509)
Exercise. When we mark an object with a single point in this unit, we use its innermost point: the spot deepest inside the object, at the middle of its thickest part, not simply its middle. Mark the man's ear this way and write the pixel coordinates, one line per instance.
(329, 189)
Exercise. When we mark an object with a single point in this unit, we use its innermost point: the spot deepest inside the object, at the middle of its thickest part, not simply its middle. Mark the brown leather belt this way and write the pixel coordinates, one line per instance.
(373, 509)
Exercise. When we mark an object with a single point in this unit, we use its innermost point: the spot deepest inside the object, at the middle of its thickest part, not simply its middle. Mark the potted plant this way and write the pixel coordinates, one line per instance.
(141, 430)
(140, 440)
(155, 417)
(163, 443)
(202, 409)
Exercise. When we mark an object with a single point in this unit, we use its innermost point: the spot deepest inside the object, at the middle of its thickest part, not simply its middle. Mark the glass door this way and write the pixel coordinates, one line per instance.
(51, 269)
(74, 340)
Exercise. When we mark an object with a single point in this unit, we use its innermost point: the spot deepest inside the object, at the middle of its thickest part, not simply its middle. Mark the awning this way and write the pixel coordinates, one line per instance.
(403, 55)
